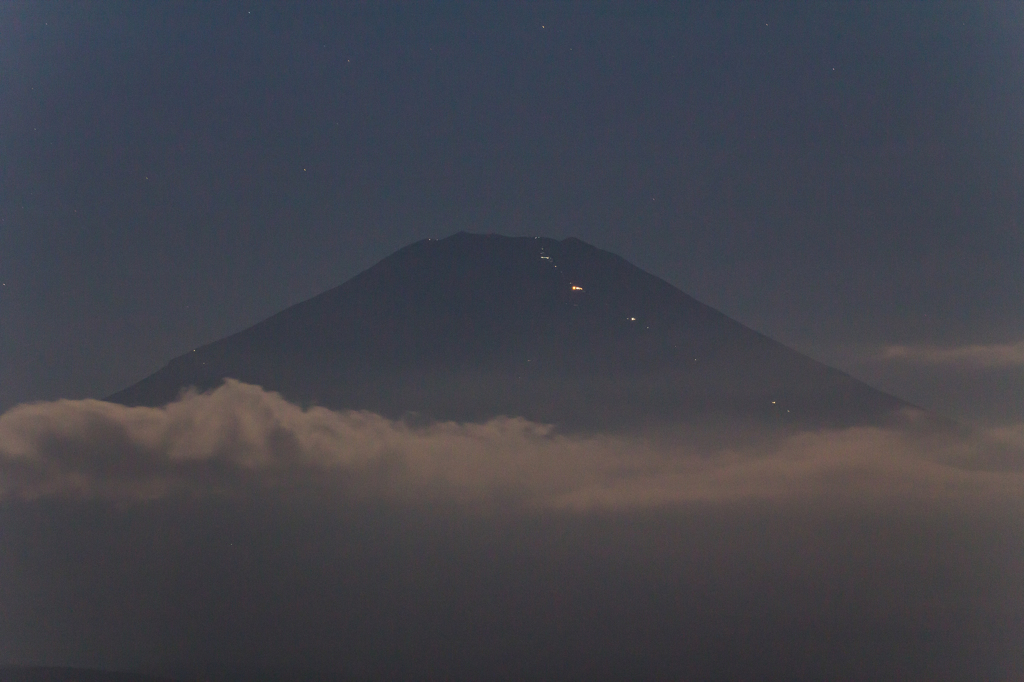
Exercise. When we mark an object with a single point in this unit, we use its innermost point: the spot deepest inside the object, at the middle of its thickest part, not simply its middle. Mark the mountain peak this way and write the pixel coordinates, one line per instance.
(474, 326)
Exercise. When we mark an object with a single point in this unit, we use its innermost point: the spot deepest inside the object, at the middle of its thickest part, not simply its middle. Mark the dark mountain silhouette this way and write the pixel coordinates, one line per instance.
(473, 326)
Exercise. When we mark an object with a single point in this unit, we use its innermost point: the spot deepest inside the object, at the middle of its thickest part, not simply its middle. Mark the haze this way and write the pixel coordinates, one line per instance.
(519, 341)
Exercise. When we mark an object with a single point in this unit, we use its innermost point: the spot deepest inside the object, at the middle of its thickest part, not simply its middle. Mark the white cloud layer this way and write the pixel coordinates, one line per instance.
(994, 355)
(240, 438)
(232, 534)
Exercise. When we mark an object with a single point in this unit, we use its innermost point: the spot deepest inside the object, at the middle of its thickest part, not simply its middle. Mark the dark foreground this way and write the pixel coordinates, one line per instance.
(48, 674)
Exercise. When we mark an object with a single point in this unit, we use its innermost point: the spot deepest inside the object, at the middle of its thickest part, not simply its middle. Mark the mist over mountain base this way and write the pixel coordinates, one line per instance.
(286, 592)
(233, 535)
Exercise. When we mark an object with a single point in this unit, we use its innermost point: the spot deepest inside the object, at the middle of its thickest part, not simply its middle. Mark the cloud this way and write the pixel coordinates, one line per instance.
(235, 535)
(240, 439)
(995, 355)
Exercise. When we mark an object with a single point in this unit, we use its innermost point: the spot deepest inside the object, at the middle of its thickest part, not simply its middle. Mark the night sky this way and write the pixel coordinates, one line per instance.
(844, 178)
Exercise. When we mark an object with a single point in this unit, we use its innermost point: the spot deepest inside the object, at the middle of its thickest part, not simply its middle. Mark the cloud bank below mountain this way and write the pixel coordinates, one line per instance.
(241, 438)
(234, 535)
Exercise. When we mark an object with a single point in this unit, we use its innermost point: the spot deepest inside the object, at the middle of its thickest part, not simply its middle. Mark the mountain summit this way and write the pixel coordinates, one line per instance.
(474, 326)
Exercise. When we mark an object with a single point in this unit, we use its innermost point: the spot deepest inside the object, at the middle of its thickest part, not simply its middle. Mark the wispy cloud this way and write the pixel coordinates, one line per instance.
(241, 438)
(977, 355)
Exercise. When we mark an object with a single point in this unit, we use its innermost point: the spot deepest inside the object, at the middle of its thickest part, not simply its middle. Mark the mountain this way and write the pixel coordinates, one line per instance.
(474, 326)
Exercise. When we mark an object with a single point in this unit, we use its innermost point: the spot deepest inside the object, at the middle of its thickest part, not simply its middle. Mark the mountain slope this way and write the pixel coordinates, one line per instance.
(474, 326)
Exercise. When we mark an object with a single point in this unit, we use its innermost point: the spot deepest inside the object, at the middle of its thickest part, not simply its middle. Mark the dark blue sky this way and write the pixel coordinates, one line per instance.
(842, 177)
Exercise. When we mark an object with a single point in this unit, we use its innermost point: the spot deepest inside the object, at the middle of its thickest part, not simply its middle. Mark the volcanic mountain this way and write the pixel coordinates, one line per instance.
(474, 326)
